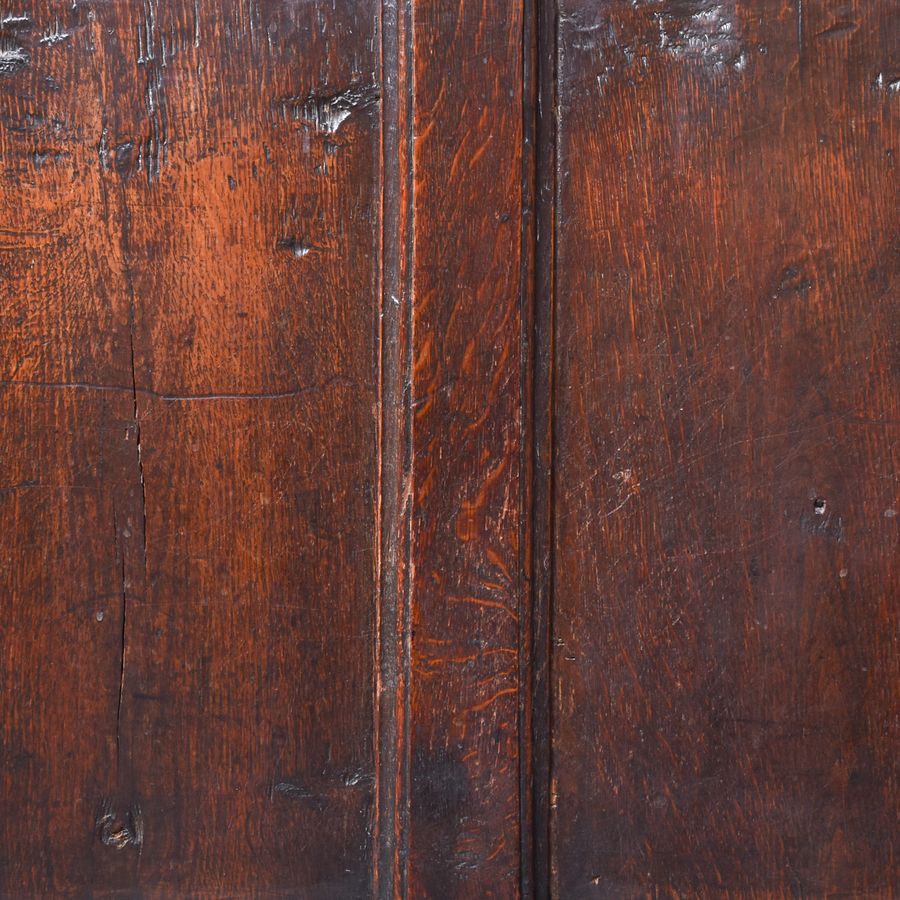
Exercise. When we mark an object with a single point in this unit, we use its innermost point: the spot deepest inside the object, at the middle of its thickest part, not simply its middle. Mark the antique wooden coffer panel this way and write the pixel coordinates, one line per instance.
(449, 448)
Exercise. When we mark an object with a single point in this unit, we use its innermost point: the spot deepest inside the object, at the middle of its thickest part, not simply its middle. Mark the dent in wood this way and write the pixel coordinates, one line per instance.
(11, 20)
(119, 830)
(13, 57)
(327, 112)
(700, 31)
(888, 82)
(296, 246)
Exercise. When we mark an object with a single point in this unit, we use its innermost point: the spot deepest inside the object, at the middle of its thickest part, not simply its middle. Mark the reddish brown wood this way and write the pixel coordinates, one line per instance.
(448, 449)
(467, 445)
(726, 588)
(191, 197)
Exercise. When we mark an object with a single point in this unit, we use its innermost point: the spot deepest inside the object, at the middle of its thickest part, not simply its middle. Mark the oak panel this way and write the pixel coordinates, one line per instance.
(190, 474)
(467, 444)
(725, 657)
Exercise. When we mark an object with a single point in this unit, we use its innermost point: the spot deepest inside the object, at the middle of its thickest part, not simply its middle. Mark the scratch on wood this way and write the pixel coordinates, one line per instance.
(15, 21)
(54, 35)
(122, 646)
(292, 791)
(838, 29)
(180, 398)
(137, 431)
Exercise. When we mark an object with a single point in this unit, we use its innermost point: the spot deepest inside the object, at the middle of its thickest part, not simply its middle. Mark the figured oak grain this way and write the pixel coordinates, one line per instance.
(467, 592)
(448, 448)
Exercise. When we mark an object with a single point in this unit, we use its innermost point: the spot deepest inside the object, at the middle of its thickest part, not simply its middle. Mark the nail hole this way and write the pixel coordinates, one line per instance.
(297, 247)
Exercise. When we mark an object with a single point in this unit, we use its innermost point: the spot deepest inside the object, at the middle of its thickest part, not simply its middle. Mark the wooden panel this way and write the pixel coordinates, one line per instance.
(66, 441)
(727, 403)
(191, 198)
(467, 445)
(449, 449)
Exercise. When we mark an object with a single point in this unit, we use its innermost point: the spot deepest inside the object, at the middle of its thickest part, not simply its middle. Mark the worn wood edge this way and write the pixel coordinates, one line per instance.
(527, 788)
(393, 650)
(542, 446)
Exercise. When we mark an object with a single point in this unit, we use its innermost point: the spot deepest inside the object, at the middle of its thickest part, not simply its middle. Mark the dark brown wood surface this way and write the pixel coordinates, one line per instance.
(726, 598)
(449, 449)
(190, 384)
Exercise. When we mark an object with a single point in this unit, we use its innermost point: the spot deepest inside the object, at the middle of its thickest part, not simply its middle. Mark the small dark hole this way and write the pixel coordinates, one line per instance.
(819, 506)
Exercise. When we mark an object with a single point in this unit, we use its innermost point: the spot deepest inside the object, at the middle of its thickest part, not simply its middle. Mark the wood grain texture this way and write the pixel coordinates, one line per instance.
(726, 614)
(467, 590)
(191, 207)
(449, 449)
